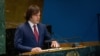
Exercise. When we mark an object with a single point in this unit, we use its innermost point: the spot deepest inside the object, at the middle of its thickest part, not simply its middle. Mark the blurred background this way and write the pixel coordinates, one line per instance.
(66, 19)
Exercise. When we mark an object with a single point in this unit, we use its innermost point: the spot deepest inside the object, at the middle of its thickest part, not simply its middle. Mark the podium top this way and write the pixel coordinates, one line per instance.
(52, 50)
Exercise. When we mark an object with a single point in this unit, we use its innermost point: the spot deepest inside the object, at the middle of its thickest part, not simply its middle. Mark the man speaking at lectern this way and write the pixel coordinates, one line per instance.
(30, 36)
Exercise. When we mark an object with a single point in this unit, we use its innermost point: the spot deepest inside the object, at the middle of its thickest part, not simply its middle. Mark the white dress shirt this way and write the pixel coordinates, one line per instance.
(31, 25)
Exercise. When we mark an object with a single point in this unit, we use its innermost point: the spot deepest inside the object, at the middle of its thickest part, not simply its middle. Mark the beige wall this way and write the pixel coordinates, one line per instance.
(15, 10)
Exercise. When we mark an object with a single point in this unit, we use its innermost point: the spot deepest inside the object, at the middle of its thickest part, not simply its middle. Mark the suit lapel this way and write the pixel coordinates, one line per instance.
(30, 31)
(40, 32)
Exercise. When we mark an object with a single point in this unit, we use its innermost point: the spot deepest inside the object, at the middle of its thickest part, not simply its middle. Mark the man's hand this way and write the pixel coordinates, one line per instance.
(36, 49)
(55, 44)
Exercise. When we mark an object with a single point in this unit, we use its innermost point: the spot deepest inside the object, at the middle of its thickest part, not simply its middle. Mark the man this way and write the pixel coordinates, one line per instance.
(30, 36)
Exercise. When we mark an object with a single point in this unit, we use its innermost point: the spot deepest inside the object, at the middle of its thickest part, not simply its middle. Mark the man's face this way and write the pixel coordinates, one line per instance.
(35, 18)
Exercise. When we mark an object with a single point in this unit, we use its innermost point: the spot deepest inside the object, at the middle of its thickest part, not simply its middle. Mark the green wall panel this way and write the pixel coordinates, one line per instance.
(2, 28)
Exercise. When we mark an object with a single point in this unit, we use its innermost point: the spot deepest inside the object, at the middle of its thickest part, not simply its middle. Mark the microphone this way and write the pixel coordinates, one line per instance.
(60, 38)
(49, 40)
(65, 40)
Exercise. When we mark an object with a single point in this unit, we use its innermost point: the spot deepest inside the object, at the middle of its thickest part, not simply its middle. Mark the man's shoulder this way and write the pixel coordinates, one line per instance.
(42, 25)
(21, 26)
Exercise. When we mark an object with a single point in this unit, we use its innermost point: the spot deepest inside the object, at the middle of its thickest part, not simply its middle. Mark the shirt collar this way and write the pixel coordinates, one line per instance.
(31, 24)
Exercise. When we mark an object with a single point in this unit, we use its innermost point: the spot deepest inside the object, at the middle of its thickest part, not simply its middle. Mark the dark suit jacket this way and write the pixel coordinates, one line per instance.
(25, 40)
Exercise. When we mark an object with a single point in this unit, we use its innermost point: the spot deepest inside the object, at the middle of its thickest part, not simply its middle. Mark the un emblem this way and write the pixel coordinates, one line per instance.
(72, 53)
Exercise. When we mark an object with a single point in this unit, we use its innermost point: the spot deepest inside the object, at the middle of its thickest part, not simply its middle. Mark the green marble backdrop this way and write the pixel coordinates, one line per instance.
(2, 28)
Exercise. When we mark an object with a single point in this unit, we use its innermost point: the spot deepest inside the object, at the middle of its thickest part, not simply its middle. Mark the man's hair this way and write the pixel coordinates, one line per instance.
(32, 10)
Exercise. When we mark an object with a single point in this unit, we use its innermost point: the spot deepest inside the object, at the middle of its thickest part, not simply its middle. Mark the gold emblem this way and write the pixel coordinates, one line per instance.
(72, 53)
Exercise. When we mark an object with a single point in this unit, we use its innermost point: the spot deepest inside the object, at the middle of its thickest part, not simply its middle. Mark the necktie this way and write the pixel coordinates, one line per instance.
(36, 33)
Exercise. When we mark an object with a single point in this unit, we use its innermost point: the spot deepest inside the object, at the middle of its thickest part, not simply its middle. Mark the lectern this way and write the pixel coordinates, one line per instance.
(62, 51)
